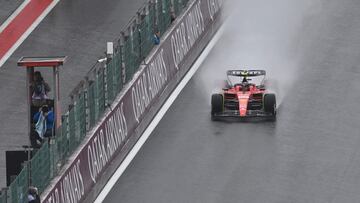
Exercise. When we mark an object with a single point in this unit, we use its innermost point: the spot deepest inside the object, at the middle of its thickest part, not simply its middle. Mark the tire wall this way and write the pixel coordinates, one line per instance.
(108, 144)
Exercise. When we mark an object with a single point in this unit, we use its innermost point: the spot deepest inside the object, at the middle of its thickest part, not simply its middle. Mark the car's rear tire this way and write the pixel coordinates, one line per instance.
(270, 104)
(217, 104)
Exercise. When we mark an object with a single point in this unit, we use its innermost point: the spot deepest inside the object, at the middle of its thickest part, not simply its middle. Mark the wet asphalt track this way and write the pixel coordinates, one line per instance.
(77, 29)
(7, 8)
(311, 50)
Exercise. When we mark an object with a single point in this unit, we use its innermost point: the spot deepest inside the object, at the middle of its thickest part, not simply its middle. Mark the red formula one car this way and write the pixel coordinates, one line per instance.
(244, 96)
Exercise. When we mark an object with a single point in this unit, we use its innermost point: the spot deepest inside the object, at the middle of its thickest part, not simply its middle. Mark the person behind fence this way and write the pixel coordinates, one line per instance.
(39, 89)
(44, 122)
(35, 140)
(172, 14)
(156, 38)
(33, 195)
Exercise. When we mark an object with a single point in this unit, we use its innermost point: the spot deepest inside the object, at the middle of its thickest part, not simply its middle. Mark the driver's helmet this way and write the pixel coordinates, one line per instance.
(244, 80)
(245, 84)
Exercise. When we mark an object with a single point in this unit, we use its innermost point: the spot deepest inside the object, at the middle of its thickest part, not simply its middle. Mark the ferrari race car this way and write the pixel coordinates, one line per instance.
(244, 96)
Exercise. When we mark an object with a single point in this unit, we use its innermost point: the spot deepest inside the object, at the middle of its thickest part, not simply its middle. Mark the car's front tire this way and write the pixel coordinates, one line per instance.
(217, 104)
(270, 104)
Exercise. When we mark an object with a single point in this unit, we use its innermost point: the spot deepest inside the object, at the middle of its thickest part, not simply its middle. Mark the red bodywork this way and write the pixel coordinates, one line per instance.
(244, 95)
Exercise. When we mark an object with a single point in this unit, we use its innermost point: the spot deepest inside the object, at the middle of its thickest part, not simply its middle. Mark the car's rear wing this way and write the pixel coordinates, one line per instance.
(246, 73)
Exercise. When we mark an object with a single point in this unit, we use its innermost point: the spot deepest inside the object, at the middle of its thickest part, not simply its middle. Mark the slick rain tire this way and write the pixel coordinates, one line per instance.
(270, 104)
(217, 102)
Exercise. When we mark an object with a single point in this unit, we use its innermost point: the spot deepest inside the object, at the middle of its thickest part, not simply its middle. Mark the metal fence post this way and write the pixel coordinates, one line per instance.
(122, 54)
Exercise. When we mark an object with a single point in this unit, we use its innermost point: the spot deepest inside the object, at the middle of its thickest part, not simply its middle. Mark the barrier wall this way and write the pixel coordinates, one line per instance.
(134, 109)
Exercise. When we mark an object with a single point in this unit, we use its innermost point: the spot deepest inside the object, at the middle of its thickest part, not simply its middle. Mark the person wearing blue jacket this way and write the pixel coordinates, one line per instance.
(44, 122)
(156, 38)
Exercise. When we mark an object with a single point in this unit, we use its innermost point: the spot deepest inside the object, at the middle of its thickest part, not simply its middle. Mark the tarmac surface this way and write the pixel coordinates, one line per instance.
(7, 7)
(77, 29)
(311, 51)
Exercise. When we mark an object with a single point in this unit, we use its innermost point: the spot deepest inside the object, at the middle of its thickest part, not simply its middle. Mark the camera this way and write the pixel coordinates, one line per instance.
(45, 109)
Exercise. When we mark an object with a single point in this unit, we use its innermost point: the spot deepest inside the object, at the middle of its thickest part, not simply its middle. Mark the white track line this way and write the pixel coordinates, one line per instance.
(27, 32)
(120, 170)
(13, 15)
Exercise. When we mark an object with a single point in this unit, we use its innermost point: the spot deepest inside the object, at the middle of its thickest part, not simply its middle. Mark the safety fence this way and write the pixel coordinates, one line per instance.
(93, 95)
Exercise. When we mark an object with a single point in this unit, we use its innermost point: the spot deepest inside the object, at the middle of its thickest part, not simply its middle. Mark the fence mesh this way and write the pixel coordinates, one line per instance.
(146, 29)
(80, 115)
(3, 196)
(132, 58)
(118, 83)
(60, 147)
(18, 189)
(91, 101)
(163, 13)
(183, 4)
(110, 83)
(72, 129)
(113, 76)
(100, 93)
(40, 167)
(179, 5)
(176, 7)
